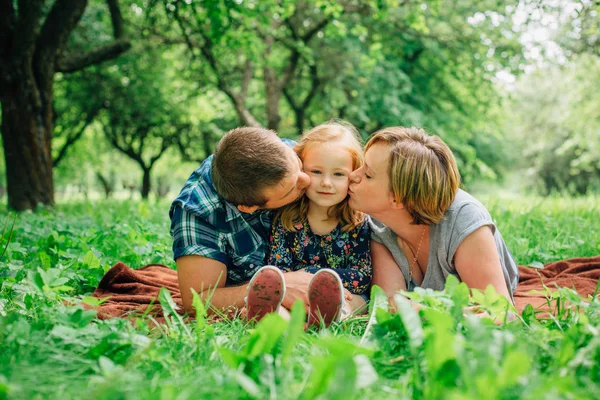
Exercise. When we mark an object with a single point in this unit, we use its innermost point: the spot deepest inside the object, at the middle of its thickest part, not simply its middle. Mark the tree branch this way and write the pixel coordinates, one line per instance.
(116, 18)
(128, 151)
(77, 62)
(314, 86)
(246, 77)
(187, 38)
(311, 33)
(291, 68)
(60, 22)
(73, 138)
(290, 100)
(112, 50)
(165, 144)
(295, 54)
(25, 27)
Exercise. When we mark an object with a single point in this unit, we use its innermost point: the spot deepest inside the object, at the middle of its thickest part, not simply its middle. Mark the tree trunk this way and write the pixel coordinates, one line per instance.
(273, 94)
(146, 184)
(299, 121)
(245, 116)
(207, 143)
(33, 37)
(26, 133)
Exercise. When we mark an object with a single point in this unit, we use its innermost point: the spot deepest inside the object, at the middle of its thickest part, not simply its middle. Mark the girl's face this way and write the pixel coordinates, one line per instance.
(370, 189)
(329, 166)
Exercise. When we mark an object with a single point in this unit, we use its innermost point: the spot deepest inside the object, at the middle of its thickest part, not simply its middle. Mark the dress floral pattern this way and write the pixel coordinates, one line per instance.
(348, 253)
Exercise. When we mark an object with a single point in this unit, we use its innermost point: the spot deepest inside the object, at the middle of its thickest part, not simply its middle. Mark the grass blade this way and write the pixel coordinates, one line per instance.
(379, 300)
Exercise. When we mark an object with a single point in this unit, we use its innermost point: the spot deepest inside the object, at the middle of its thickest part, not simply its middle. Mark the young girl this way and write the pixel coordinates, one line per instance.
(320, 233)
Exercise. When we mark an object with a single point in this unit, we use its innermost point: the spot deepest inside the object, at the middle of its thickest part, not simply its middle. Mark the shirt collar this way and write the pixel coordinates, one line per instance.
(231, 211)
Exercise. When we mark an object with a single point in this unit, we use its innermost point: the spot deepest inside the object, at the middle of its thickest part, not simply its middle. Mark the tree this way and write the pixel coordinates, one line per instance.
(33, 48)
(144, 112)
(289, 64)
(554, 116)
(78, 99)
(431, 65)
(240, 43)
(579, 33)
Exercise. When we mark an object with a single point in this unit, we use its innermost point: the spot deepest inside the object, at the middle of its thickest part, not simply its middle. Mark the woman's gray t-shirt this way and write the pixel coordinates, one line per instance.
(464, 217)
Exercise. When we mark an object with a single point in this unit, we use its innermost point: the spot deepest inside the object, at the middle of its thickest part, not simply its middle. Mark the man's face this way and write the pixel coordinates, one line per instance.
(291, 187)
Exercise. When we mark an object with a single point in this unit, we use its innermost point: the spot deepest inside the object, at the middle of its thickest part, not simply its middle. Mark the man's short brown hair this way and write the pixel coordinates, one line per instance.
(246, 162)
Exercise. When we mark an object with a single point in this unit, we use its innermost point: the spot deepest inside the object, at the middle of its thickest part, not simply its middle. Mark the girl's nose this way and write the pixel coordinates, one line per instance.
(326, 182)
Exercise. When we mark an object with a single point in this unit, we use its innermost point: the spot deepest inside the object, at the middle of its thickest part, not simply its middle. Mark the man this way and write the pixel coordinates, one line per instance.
(221, 220)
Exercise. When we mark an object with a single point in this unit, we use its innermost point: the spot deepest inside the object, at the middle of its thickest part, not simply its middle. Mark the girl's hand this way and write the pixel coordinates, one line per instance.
(347, 295)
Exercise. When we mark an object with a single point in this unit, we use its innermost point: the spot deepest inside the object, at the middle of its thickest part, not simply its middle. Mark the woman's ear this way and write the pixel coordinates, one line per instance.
(396, 205)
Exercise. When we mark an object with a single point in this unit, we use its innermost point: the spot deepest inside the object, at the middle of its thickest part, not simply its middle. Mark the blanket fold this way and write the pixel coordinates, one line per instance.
(580, 274)
(131, 291)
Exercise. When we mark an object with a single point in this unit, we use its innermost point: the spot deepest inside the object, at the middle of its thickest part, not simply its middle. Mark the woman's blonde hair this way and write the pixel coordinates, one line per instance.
(348, 138)
(422, 170)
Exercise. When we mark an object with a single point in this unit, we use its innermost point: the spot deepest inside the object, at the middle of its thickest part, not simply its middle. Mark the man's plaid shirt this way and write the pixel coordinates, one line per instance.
(204, 224)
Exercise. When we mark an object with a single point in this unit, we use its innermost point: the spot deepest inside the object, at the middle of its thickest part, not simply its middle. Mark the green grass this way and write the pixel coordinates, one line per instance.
(50, 349)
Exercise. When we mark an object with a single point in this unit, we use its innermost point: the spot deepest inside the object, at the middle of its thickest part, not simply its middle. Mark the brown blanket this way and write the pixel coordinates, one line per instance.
(130, 291)
(581, 274)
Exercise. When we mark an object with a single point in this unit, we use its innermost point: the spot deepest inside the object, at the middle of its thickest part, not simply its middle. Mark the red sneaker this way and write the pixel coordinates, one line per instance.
(325, 297)
(266, 291)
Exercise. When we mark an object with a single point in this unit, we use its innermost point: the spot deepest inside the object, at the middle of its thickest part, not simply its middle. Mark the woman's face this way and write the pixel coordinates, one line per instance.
(370, 184)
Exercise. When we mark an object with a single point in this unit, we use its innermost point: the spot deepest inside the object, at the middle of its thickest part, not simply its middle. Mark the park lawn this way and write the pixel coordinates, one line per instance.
(49, 349)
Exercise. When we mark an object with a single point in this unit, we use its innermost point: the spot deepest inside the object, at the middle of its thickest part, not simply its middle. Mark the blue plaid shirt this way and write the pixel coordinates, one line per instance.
(202, 223)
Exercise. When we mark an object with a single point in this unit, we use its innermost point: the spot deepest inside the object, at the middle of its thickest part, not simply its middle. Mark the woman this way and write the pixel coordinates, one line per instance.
(424, 227)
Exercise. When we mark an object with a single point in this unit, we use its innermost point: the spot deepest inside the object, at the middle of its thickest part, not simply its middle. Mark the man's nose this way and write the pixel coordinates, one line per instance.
(303, 180)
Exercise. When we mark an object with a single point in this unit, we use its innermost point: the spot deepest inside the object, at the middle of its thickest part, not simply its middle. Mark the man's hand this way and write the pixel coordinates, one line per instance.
(296, 287)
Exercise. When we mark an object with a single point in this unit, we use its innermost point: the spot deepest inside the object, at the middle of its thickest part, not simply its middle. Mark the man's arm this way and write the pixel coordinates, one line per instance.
(207, 276)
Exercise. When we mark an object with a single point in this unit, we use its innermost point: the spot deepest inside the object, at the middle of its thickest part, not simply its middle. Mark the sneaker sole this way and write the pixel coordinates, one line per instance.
(265, 293)
(325, 293)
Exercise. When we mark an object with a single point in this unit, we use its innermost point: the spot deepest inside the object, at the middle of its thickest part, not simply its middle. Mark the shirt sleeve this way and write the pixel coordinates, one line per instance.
(357, 274)
(469, 217)
(194, 236)
(377, 229)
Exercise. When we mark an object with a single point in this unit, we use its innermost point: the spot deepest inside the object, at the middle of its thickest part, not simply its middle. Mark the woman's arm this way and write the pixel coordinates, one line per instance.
(478, 263)
(386, 273)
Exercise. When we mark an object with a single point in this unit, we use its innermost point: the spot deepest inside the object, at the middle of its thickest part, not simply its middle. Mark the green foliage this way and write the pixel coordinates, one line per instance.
(554, 115)
(52, 345)
(579, 33)
(290, 65)
(539, 230)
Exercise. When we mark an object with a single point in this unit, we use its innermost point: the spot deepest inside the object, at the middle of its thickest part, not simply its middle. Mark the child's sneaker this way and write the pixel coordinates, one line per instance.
(325, 297)
(266, 291)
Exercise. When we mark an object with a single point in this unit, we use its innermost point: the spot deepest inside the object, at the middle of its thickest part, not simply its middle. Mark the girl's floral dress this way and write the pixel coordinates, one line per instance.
(348, 253)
